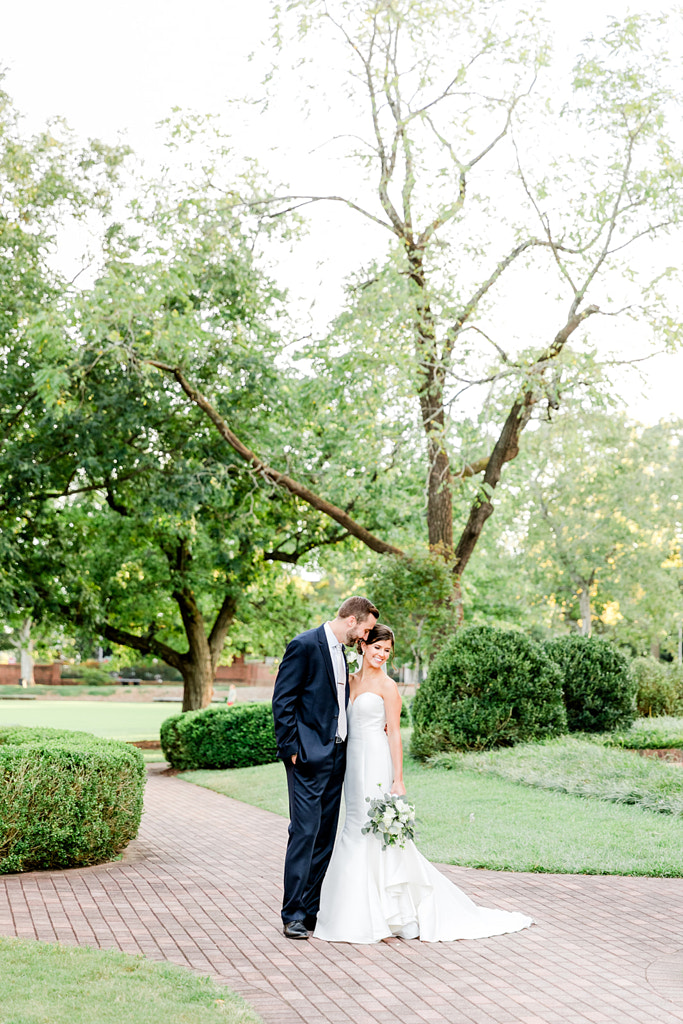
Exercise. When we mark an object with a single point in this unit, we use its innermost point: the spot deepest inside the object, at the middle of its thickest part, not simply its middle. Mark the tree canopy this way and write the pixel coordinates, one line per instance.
(173, 448)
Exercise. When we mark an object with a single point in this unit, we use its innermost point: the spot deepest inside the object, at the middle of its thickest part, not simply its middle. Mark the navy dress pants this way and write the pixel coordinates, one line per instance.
(314, 801)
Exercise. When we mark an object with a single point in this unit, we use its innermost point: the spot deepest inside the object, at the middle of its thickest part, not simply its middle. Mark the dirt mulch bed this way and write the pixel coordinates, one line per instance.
(672, 755)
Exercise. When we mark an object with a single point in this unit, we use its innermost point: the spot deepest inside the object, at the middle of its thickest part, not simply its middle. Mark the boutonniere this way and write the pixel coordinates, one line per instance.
(353, 658)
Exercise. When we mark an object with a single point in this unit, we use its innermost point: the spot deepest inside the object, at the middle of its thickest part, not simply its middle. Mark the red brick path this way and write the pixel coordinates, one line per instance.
(201, 887)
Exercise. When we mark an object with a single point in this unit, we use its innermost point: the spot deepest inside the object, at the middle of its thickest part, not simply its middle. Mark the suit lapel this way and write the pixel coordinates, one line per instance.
(327, 658)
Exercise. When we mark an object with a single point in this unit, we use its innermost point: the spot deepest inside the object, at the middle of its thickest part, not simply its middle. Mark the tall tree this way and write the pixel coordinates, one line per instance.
(123, 514)
(48, 182)
(506, 232)
(595, 524)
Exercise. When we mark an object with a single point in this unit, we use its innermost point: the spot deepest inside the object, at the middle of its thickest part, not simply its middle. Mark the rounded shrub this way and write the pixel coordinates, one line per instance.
(599, 692)
(487, 688)
(220, 737)
(658, 688)
(67, 799)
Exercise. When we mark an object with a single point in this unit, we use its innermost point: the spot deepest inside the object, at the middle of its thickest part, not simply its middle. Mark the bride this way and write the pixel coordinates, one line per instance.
(370, 893)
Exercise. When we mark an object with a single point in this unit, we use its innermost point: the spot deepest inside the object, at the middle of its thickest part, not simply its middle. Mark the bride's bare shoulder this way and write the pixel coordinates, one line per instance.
(389, 687)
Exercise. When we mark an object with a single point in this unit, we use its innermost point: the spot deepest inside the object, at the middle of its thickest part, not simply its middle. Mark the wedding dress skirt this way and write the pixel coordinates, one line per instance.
(370, 894)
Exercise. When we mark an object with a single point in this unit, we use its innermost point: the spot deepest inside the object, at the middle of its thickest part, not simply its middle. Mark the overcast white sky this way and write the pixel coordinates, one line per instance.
(120, 68)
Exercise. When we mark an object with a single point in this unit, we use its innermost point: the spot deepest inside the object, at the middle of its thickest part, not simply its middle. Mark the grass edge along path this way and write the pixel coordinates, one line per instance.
(474, 820)
(41, 982)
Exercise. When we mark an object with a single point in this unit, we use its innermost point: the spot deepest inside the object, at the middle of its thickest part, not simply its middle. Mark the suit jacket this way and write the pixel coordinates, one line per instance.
(305, 704)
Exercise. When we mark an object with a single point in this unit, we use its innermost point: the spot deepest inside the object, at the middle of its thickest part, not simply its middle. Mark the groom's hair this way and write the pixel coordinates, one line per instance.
(359, 607)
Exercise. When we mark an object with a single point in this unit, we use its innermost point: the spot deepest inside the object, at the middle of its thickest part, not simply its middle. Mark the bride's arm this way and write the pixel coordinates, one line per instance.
(392, 708)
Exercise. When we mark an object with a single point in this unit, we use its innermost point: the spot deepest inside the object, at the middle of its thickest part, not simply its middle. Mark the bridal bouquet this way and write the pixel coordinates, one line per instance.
(391, 819)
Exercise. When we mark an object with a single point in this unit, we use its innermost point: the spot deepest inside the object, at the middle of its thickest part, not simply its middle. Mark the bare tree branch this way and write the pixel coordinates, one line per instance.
(273, 476)
(292, 557)
(145, 644)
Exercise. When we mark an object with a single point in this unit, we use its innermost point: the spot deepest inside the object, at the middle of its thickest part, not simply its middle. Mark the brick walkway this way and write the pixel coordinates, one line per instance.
(201, 887)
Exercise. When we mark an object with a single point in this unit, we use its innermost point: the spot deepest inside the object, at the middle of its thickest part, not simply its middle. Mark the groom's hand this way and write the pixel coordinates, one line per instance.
(293, 758)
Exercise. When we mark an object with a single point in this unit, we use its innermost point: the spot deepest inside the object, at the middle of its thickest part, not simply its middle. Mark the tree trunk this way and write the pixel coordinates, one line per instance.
(506, 449)
(585, 611)
(198, 674)
(197, 666)
(431, 396)
(26, 653)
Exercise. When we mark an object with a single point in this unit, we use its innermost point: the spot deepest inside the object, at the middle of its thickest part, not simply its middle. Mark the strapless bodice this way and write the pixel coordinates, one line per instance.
(366, 713)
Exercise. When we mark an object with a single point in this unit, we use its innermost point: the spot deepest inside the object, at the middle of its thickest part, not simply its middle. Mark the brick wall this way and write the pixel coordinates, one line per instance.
(43, 674)
(253, 673)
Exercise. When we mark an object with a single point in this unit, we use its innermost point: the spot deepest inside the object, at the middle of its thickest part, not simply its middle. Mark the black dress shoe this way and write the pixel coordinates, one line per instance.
(310, 922)
(295, 930)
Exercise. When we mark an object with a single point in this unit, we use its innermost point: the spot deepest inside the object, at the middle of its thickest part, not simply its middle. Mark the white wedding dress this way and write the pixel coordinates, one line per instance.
(368, 893)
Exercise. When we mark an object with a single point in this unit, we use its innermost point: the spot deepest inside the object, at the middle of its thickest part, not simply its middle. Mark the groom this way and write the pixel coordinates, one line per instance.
(309, 708)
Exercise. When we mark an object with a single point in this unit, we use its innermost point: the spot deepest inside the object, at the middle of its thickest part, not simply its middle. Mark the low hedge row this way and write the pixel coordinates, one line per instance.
(85, 674)
(67, 799)
(220, 737)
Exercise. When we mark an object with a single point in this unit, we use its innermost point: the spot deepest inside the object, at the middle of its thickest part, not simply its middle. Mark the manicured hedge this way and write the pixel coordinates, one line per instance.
(599, 692)
(487, 688)
(67, 799)
(220, 737)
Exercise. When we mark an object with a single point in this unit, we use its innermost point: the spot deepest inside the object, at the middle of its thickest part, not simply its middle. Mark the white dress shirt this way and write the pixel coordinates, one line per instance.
(339, 667)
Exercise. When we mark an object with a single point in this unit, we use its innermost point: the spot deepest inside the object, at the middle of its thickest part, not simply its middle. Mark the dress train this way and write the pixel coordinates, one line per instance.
(370, 894)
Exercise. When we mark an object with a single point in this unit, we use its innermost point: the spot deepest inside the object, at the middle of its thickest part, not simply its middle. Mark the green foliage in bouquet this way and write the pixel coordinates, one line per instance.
(487, 688)
(67, 799)
(220, 737)
(599, 692)
(391, 819)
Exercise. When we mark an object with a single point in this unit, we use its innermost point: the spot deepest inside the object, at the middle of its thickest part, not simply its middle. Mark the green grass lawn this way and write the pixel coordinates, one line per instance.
(113, 721)
(476, 819)
(41, 983)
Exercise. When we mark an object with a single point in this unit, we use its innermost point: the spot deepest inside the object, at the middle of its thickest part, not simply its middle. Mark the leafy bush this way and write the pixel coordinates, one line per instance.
(658, 688)
(220, 737)
(151, 673)
(67, 799)
(599, 693)
(487, 688)
(406, 710)
(85, 674)
(659, 733)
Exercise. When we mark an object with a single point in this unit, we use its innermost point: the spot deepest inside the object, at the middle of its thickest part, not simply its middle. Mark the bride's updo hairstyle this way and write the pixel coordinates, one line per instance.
(378, 632)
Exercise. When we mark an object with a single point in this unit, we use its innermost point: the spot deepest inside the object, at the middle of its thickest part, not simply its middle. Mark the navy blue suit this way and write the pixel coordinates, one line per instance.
(306, 711)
